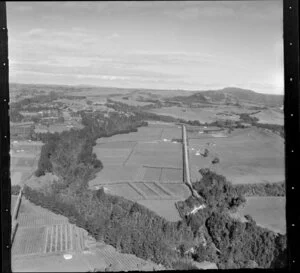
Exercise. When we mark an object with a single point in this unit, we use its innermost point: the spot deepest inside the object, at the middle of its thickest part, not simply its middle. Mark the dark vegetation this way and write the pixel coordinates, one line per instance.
(132, 228)
(230, 243)
(186, 206)
(15, 189)
(36, 99)
(261, 189)
(218, 192)
(15, 115)
(248, 119)
(275, 128)
(141, 111)
(215, 160)
(73, 148)
(27, 103)
(241, 243)
(126, 225)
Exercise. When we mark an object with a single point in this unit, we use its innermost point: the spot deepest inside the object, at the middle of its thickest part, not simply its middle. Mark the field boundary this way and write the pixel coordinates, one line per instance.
(137, 181)
(132, 150)
(162, 167)
(139, 191)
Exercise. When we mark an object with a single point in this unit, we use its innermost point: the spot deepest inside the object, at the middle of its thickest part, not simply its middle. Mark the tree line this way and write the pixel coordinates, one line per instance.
(131, 227)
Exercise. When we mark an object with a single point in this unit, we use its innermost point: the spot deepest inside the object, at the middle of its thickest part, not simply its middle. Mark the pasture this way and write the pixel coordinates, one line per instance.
(205, 113)
(164, 208)
(130, 101)
(24, 160)
(201, 114)
(246, 156)
(270, 116)
(143, 156)
(268, 212)
(144, 166)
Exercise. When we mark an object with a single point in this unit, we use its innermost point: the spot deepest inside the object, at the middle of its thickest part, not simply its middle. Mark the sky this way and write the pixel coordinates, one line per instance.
(191, 45)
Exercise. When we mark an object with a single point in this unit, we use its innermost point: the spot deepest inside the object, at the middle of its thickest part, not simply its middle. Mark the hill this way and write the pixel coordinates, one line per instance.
(233, 95)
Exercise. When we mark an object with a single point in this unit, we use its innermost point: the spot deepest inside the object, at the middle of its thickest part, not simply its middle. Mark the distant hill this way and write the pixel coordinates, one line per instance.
(225, 95)
(233, 95)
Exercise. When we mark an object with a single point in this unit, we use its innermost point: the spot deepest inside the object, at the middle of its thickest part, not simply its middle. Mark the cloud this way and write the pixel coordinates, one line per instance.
(104, 77)
(199, 10)
(113, 36)
(35, 33)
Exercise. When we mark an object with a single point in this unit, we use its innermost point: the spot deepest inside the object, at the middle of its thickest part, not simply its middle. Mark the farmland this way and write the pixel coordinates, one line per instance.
(268, 212)
(203, 113)
(24, 158)
(246, 156)
(144, 166)
(270, 116)
(43, 238)
(146, 155)
(139, 165)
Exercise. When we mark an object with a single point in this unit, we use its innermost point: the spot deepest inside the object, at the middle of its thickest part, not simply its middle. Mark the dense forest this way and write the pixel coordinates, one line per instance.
(209, 234)
(261, 189)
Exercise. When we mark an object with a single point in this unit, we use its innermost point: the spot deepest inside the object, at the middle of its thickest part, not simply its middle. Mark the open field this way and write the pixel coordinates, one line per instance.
(145, 166)
(164, 208)
(207, 113)
(270, 116)
(268, 212)
(50, 263)
(146, 190)
(13, 202)
(203, 115)
(146, 155)
(130, 101)
(24, 160)
(31, 215)
(246, 156)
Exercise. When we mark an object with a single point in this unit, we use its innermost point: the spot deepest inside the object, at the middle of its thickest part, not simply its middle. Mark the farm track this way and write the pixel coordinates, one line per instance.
(152, 189)
(139, 191)
(132, 150)
(161, 133)
(162, 188)
(160, 167)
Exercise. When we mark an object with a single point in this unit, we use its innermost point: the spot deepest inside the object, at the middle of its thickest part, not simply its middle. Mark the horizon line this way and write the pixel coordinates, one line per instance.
(144, 88)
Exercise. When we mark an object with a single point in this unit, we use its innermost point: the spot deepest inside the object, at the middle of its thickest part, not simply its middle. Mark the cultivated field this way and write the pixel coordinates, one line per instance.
(144, 166)
(146, 155)
(43, 238)
(246, 156)
(24, 160)
(268, 212)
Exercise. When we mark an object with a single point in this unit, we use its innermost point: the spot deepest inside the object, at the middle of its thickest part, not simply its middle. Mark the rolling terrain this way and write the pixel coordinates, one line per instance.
(129, 150)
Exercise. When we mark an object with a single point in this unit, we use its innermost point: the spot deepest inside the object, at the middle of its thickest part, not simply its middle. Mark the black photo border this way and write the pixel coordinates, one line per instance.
(291, 119)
